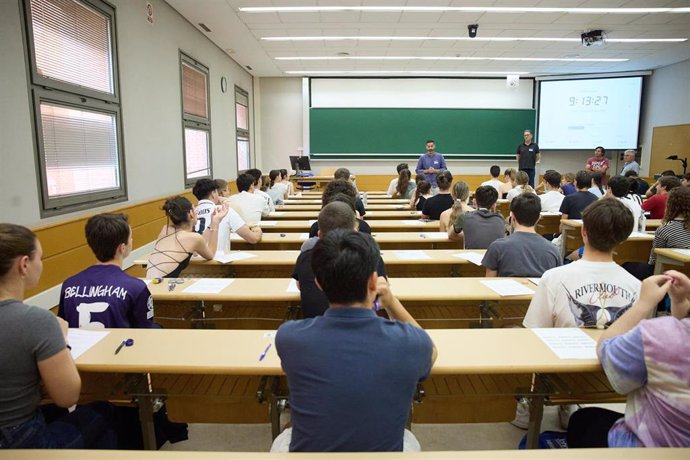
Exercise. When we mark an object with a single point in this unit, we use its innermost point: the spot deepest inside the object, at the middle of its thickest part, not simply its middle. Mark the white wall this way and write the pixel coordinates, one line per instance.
(148, 57)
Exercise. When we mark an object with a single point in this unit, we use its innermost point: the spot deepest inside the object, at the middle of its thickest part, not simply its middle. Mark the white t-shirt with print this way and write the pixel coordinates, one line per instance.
(230, 224)
(270, 204)
(582, 294)
(204, 211)
(551, 201)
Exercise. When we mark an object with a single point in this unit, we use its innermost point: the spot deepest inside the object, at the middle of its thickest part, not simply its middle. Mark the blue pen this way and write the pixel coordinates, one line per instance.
(263, 355)
(376, 304)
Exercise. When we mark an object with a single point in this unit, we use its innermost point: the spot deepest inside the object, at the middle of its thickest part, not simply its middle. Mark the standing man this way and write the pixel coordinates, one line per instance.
(430, 164)
(630, 163)
(599, 163)
(528, 156)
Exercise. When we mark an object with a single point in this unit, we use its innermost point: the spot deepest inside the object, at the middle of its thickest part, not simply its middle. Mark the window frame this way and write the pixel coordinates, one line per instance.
(42, 89)
(241, 132)
(193, 121)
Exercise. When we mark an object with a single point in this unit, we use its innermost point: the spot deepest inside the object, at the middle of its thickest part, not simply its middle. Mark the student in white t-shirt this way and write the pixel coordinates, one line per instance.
(495, 182)
(256, 173)
(521, 186)
(619, 186)
(206, 192)
(249, 205)
(551, 200)
(394, 182)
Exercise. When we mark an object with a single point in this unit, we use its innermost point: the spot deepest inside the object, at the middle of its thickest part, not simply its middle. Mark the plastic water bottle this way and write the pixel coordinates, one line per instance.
(364, 199)
(642, 223)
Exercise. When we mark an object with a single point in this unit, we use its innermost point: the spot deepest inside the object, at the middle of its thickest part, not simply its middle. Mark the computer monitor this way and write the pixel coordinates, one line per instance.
(304, 164)
(294, 162)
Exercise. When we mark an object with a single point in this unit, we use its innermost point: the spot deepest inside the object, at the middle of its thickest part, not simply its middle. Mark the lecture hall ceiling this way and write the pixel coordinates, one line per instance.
(410, 41)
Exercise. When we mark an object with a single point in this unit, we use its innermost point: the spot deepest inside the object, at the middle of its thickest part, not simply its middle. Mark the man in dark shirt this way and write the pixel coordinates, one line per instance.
(575, 203)
(335, 215)
(434, 206)
(528, 156)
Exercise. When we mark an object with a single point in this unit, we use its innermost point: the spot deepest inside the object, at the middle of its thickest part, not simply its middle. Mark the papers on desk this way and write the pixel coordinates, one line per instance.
(209, 286)
(276, 213)
(506, 288)
(304, 236)
(534, 280)
(312, 222)
(568, 343)
(231, 256)
(82, 340)
(434, 235)
(685, 252)
(411, 255)
(268, 223)
(410, 222)
(550, 213)
(471, 257)
(146, 281)
(292, 287)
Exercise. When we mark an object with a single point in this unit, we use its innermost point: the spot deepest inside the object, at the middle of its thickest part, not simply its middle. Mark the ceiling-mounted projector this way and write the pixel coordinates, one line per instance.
(593, 38)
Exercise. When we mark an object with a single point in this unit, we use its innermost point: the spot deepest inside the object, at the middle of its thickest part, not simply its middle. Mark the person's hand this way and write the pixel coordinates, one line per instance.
(383, 292)
(680, 286)
(220, 212)
(64, 327)
(431, 170)
(654, 289)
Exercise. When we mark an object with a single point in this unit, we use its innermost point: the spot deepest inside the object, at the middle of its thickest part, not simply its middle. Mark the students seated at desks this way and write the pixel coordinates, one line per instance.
(250, 206)
(335, 215)
(461, 195)
(278, 189)
(177, 243)
(206, 192)
(351, 374)
(394, 182)
(257, 190)
(421, 194)
(222, 186)
(34, 355)
(434, 206)
(521, 186)
(495, 182)
(482, 227)
(552, 198)
(596, 188)
(340, 190)
(619, 188)
(405, 187)
(568, 184)
(103, 295)
(656, 204)
(674, 231)
(524, 253)
(649, 361)
(344, 174)
(651, 191)
(573, 204)
(633, 190)
(508, 182)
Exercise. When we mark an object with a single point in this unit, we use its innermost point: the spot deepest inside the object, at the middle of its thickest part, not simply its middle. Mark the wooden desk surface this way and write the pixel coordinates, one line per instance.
(306, 215)
(317, 207)
(383, 237)
(543, 454)
(236, 352)
(652, 224)
(370, 201)
(375, 224)
(673, 254)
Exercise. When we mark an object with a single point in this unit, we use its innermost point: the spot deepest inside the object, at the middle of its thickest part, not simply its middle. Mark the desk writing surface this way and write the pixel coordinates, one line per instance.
(673, 254)
(369, 207)
(306, 215)
(311, 200)
(652, 224)
(375, 224)
(383, 237)
(439, 289)
(240, 290)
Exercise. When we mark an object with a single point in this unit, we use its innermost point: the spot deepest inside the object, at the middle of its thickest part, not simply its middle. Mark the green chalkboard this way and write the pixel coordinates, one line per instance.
(392, 133)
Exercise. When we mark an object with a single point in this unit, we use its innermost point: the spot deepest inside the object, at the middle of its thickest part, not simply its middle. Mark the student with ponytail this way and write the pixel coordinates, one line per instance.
(405, 187)
(421, 194)
(461, 194)
(508, 182)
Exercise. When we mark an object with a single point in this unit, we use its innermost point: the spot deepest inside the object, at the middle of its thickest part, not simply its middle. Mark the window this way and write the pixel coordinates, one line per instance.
(76, 105)
(196, 120)
(242, 129)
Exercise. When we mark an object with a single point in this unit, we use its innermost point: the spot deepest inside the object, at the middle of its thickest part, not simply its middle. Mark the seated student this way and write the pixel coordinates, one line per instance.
(222, 187)
(344, 174)
(177, 243)
(482, 227)
(34, 356)
(508, 182)
(257, 190)
(642, 185)
(656, 204)
(653, 189)
(568, 185)
(575, 203)
(206, 192)
(421, 193)
(394, 182)
(461, 196)
(495, 182)
(619, 188)
(333, 190)
(339, 364)
(521, 186)
(405, 187)
(284, 177)
(524, 253)
(278, 189)
(632, 191)
(250, 206)
(552, 198)
(685, 180)
(434, 206)
(335, 215)
(597, 187)
(119, 300)
(647, 360)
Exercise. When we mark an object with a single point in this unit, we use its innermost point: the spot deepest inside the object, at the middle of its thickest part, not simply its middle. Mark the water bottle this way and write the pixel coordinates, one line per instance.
(364, 199)
(642, 223)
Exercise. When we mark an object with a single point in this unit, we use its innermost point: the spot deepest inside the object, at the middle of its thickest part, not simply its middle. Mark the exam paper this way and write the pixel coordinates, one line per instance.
(231, 256)
(304, 236)
(146, 281)
(276, 213)
(470, 256)
(568, 343)
(506, 288)
(292, 287)
(434, 235)
(81, 340)
(412, 255)
(410, 222)
(268, 223)
(535, 280)
(209, 286)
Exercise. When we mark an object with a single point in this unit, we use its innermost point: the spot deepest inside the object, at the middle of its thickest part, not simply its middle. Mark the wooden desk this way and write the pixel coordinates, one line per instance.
(377, 225)
(634, 249)
(548, 223)
(671, 259)
(317, 179)
(370, 200)
(306, 215)
(369, 207)
(503, 207)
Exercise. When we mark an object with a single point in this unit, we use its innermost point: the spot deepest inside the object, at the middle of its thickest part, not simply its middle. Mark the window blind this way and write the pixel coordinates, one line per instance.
(194, 91)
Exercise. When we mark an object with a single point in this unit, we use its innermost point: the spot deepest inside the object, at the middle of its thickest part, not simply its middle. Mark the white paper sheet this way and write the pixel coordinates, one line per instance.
(312, 222)
(470, 256)
(304, 236)
(292, 287)
(568, 343)
(232, 256)
(146, 281)
(268, 223)
(276, 213)
(412, 255)
(410, 222)
(434, 235)
(550, 213)
(209, 286)
(506, 288)
(534, 280)
(82, 340)
(685, 252)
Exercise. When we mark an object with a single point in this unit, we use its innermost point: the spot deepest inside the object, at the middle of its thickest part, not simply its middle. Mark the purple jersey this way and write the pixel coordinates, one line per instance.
(105, 296)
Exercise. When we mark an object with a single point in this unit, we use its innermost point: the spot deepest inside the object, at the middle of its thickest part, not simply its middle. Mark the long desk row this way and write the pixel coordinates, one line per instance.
(386, 240)
(377, 225)
(386, 214)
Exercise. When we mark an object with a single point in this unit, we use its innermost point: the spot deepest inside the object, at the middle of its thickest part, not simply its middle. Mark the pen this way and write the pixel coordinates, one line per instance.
(376, 304)
(263, 355)
(128, 343)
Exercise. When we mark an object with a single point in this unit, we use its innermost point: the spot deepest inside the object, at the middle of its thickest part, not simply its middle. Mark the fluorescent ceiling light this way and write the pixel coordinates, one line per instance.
(415, 72)
(440, 58)
(462, 9)
(466, 38)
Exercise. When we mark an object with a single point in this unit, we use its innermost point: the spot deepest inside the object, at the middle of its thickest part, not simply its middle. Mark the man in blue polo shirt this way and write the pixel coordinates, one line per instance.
(352, 374)
(430, 164)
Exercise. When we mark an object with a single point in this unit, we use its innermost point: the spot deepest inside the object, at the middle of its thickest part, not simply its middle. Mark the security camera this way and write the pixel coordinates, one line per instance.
(472, 30)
